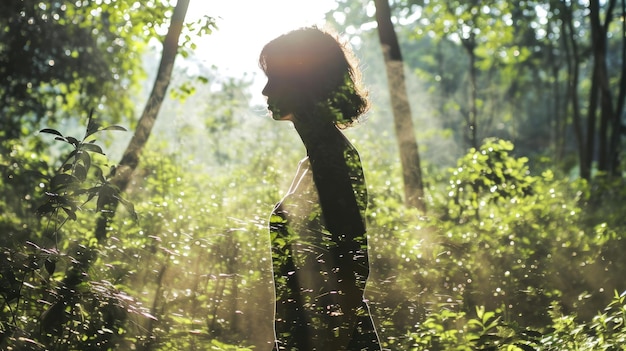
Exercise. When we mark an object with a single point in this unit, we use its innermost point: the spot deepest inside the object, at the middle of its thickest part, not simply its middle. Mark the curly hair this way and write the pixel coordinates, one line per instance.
(321, 68)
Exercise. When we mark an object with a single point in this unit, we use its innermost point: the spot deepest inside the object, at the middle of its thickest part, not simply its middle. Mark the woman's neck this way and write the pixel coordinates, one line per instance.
(317, 135)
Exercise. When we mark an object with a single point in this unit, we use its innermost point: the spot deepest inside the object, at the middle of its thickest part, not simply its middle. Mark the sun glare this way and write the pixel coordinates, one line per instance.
(245, 26)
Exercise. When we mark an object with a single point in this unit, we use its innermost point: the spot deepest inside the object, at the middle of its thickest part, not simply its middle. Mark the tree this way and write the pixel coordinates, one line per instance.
(597, 122)
(494, 40)
(130, 159)
(403, 122)
(601, 98)
(57, 322)
(573, 59)
(62, 58)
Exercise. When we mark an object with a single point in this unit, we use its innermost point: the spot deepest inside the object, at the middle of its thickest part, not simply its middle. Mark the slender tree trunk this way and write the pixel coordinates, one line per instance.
(589, 145)
(235, 317)
(405, 132)
(218, 298)
(559, 105)
(155, 310)
(599, 33)
(130, 159)
(617, 128)
(558, 123)
(573, 64)
(470, 46)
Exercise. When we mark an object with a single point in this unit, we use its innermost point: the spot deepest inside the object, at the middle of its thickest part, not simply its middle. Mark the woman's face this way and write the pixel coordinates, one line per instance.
(280, 97)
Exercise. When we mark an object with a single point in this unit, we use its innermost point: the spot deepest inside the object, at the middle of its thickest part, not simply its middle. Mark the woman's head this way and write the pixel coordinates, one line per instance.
(309, 69)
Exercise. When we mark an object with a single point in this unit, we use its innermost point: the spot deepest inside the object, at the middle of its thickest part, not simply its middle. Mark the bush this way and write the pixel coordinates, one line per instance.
(504, 240)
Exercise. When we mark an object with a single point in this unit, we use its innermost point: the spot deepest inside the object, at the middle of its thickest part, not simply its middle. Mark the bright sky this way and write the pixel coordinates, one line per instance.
(246, 25)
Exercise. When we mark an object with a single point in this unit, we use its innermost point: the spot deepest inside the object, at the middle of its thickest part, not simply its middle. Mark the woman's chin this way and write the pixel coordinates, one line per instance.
(279, 117)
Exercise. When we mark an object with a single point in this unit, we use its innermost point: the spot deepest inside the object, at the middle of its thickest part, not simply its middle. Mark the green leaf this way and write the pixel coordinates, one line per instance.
(84, 158)
(92, 125)
(80, 172)
(91, 147)
(62, 180)
(99, 174)
(106, 197)
(70, 213)
(50, 265)
(92, 192)
(51, 131)
(45, 209)
(129, 207)
(73, 141)
(114, 127)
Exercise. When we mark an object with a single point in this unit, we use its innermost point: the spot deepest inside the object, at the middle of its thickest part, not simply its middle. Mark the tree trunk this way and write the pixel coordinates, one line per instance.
(130, 159)
(559, 105)
(618, 128)
(558, 122)
(573, 64)
(157, 310)
(472, 115)
(405, 132)
(599, 33)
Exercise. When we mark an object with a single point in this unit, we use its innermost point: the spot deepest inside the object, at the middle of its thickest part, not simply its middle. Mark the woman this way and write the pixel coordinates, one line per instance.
(319, 244)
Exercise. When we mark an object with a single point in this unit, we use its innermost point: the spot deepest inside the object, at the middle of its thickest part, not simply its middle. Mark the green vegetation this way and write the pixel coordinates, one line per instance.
(519, 249)
(504, 258)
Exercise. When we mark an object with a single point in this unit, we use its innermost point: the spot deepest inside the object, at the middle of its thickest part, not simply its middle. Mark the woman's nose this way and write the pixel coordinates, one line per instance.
(266, 89)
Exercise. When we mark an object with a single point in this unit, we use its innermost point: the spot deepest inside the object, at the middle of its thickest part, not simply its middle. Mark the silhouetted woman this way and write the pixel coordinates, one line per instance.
(319, 245)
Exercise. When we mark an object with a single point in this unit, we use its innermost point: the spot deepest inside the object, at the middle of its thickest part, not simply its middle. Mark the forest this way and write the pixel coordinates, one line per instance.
(137, 181)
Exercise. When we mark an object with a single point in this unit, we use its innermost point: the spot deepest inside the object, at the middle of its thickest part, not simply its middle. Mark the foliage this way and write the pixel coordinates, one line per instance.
(59, 56)
(485, 176)
(606, 331)
(193, 268)
(500, 239)
(451, 330)
(66, 187)
(49, 300)
(31, 274)
(499, 69)
(516, 252)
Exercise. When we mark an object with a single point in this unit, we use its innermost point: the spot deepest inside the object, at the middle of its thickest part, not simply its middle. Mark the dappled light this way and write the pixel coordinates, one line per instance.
(154, 196)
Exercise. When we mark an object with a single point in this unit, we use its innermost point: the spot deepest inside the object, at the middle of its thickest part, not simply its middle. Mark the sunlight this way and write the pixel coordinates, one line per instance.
(244, 27)
(181, 241)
